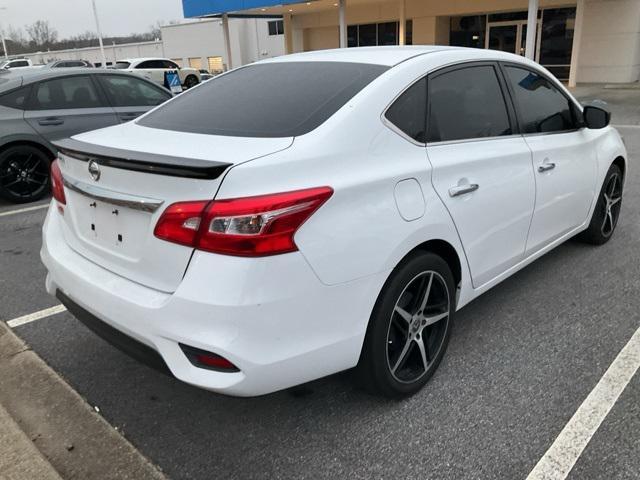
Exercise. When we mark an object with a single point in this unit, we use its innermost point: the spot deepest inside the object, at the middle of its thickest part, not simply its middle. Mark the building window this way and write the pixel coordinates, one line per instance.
(276, 27)
(375, 34)
(468, 31)
(195, 62)
(215, 64)
(557, 40)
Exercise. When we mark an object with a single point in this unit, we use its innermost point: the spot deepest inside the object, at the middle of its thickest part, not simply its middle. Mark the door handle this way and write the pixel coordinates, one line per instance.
(545, 167)
(463, 189)
(51, 121)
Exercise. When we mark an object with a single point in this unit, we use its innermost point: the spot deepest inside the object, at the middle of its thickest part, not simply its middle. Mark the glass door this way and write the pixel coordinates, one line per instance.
(510, 36)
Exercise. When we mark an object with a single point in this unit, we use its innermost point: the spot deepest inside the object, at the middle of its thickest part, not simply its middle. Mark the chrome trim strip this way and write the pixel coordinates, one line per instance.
(114, 198)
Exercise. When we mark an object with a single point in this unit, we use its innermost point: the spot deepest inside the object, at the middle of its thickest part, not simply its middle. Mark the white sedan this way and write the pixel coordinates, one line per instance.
(321, 211)
(154, 69)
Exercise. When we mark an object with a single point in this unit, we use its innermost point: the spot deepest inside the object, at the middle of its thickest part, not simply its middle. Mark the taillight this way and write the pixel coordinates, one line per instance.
(252, 226)
(57, 188)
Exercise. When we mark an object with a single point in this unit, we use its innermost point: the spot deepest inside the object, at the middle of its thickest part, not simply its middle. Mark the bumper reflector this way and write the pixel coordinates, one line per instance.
(208, 360)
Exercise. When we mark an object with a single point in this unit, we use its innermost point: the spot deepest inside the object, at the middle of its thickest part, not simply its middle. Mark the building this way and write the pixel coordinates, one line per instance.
(578, 40)
(198, 44)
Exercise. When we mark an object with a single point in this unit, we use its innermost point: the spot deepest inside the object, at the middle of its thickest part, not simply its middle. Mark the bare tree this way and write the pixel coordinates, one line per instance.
(41, 34)
(16, 35)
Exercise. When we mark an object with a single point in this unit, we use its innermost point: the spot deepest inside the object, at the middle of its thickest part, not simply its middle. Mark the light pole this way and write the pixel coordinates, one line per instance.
(4, 43)
(95, 15)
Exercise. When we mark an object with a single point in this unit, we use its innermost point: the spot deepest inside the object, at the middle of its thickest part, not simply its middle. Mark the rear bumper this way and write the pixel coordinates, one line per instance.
(271, 316)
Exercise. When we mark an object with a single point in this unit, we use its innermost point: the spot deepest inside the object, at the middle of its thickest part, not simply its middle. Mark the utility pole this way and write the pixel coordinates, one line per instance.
(95, 14)
(4, 43)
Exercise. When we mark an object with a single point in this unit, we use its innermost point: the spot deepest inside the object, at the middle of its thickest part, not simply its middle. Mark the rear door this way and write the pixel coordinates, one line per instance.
(481, 168)
(66, 106)
(130, 97)
(152, 70)
(564, 155)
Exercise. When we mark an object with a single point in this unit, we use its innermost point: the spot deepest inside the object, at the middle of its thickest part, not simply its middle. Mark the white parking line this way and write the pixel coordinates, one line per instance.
(626, 126)
(565, 451)
(32, 317)
(23, 210)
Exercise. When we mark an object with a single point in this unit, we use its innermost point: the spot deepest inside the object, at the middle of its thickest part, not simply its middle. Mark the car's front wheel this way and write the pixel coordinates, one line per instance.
(607, 211)
(191, 81)
(24, 174)
(410, 327)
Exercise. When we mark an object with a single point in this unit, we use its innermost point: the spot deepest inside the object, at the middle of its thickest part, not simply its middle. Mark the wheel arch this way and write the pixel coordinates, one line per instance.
(29, 141)
(622, 165)
(446, 251)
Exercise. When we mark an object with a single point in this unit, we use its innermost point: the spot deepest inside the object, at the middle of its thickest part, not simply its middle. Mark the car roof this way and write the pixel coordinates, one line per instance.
(392, 55)
(13, 79)
(141, 59)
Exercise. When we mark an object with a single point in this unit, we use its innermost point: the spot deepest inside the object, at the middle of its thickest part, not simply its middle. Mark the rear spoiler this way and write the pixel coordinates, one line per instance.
(141, 161)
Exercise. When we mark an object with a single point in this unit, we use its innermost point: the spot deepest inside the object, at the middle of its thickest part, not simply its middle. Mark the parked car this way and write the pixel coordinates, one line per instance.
(205, 75)
(316, 212)
(155, 68)
(15, 63)
(38, 106)
(69, 64)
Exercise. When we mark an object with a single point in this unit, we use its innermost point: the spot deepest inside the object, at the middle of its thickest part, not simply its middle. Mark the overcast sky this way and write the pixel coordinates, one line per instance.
(70, 17)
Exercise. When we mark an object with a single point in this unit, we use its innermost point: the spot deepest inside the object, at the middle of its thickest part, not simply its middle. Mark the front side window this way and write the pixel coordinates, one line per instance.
(66, 92)
(409, 111)
(467, 103)
(281, 99)
(151, 64)
(542, 107)
(124, 91)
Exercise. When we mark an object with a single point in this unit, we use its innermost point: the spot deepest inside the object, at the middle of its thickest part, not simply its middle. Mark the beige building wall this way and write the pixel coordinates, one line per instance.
(610, 41)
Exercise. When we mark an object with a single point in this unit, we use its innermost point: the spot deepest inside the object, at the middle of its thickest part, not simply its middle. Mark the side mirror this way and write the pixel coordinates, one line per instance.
(596, 117)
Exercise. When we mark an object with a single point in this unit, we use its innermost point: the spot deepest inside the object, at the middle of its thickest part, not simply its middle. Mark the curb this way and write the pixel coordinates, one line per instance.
(70, 435)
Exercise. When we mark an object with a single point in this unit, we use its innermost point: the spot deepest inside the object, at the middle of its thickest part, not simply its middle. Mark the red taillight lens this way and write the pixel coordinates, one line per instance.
(180, 223)
(208, 360)
(251, 226)
(57, 187)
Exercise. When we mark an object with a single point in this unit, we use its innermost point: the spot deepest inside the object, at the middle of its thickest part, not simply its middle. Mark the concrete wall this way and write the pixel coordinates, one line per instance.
(610, 42)
(250, 41)
(131, 50)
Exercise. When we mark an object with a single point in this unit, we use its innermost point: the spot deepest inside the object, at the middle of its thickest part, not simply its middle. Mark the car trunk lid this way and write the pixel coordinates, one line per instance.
(115, 196)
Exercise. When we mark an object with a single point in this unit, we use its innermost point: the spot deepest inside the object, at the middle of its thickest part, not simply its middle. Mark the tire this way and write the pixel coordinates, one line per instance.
(24, 174)
(399, 323)
(191, 81)
(607, 211)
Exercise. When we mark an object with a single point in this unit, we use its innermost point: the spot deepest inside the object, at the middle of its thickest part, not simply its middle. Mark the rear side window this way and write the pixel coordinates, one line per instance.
(409, 111)
(16, 98)
(132, 92)
(265, 100)
(64, 93)
(151, 64)
(465, 104)
(542, 107)
(121, 65)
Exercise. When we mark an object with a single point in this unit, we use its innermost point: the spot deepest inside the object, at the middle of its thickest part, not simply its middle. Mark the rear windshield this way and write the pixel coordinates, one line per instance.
(121, 65)
(265, 100)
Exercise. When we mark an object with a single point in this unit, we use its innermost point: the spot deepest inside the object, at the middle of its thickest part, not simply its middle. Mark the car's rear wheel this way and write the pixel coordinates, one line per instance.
(409, 328)
(607, 211)
(191, 81)
(24, 174)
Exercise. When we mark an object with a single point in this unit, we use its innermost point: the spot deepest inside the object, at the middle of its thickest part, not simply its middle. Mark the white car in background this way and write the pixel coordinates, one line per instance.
(155, 68)
(315, 212)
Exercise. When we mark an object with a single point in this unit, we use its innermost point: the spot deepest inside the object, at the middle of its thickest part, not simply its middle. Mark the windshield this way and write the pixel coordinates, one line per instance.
(121, 65)
(281, 99)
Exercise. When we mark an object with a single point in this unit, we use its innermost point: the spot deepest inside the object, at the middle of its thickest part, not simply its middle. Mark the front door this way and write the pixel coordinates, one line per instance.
(480, 169)
(564, 155)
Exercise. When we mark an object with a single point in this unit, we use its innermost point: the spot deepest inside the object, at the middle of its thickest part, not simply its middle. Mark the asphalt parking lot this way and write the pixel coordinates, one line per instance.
(522, 359)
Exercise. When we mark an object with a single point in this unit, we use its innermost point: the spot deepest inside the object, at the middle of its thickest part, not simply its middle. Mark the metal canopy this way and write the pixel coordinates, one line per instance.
(207, 8)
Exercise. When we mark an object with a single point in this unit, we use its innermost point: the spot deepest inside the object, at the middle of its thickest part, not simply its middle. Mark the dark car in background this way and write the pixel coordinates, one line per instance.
(42, 105)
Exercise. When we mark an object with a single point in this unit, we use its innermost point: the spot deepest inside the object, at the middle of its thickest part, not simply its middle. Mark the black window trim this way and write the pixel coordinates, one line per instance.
(29, 88)
(577, 108)
(99, 92)
(502, 83)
